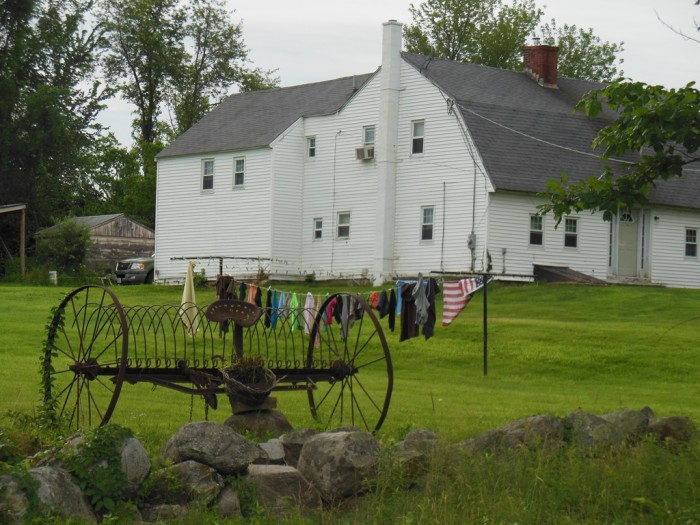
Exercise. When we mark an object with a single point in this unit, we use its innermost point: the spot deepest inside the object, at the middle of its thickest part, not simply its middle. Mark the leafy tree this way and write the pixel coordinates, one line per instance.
(582, 54)
(492, 32)
(661, 126)
(66, 247)
(48, 104)
(183, 57)
(480, 31)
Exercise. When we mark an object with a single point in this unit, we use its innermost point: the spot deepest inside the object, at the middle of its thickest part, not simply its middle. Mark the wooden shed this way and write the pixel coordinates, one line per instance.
(114, 237)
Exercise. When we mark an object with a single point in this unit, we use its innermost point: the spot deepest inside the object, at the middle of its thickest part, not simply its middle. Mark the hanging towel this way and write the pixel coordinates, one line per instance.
(268, 308)
(275, 310)
(258, 297)
(429, 326)
(241, 294)
(421, 300)
(294, 310)
(399, 288)
(374, 299)
(409, 328)
(309, 312)
(392, 309)
(330, 311)
(383, 304)
(344, 318)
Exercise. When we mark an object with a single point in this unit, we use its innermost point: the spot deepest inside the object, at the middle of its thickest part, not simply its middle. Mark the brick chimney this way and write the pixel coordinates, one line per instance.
(540, 62)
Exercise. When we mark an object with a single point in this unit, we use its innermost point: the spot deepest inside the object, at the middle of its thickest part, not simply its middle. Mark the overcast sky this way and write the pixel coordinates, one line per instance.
(314, 40)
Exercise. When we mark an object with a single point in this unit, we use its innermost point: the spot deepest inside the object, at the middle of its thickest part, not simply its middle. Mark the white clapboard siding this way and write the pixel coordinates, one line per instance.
(227, 221)
(509, 229)
(669, 264)
(442, 177)
(286, 199)
(335, 181)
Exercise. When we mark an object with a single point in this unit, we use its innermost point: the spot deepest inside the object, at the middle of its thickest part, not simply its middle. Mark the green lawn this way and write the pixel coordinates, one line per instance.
(551, 349)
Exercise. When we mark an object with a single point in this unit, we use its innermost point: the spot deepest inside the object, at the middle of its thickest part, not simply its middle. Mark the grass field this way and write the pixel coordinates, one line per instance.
(552, 349)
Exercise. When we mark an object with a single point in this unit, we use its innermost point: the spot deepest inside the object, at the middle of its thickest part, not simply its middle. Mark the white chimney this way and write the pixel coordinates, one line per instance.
(385, 150)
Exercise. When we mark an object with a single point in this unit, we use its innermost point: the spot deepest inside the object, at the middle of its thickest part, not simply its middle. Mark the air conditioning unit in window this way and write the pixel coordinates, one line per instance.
(364, 153)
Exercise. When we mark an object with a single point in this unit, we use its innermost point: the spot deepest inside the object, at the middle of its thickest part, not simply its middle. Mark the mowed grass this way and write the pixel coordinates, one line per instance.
(552, 349)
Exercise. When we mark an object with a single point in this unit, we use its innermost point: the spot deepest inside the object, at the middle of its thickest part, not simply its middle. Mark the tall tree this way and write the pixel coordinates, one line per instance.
(661, 126)
(582, 54)
(492, 32)
(480, 31)
(48, 104)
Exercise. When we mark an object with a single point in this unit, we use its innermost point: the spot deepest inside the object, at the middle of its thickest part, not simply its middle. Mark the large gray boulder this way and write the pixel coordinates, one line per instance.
(261, 423)
(282, 489)
(339, 463)
(293, 442)
(185, 481)
(589, 430)
(135, 463)
(529, 432)
(14, 503)
(213, 444)
(273, 452)
(673, 429)
(414, 454)
(58, 494)
(632, 424)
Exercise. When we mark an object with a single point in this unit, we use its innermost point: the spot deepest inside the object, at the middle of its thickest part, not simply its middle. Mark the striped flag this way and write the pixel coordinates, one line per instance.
(456, 295)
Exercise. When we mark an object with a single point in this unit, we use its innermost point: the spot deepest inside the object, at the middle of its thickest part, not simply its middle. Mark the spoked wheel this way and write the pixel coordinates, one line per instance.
(85, 358)
(351, 361)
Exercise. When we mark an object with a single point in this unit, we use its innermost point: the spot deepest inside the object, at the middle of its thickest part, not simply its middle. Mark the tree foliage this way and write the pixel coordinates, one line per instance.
(492, 33)
(661, 126)
(66, 247)
(49, 101)
(487, 32)
(582, 54)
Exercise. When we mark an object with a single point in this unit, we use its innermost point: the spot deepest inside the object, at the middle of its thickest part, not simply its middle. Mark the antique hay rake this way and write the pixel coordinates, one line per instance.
(95, 344)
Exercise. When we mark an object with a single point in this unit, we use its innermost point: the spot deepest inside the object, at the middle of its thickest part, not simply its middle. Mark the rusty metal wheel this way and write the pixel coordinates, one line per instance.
(354, 350)
(85, 357)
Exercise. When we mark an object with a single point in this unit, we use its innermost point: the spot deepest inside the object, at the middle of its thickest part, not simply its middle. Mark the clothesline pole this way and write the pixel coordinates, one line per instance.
(486, 325)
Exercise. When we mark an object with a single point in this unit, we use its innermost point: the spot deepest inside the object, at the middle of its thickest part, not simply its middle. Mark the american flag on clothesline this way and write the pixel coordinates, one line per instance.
(456, 295)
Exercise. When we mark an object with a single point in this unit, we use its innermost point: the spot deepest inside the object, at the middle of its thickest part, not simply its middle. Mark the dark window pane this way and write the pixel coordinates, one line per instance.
(536, 238)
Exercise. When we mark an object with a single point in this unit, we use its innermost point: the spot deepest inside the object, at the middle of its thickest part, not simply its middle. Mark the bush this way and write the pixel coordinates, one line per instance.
(65, 248)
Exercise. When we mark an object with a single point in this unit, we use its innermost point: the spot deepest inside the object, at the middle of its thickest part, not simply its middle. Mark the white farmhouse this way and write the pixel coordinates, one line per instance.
(424, 165)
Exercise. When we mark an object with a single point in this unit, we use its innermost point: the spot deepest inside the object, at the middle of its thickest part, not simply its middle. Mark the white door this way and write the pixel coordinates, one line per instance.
(627, 236)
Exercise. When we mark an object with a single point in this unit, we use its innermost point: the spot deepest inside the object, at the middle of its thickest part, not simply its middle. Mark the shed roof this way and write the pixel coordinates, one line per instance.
(91, 222)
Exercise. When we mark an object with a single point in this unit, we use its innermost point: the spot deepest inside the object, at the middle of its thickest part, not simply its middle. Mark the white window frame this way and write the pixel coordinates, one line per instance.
(692, 244)
(571, 231)
(365, 131)
(207, 176)
(237, 172)
(540, 231)
(343, 224)
(318, 229)
(424, 224)
(417, 139)
(311, 148)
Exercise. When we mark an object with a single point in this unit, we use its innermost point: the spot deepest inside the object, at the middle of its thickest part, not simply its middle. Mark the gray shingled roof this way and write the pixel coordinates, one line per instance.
(527, 134)
(255, 119)
(89, 221)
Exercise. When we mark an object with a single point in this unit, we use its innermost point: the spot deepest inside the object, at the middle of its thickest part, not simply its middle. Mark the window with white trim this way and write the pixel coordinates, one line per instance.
(417, 134)
(318, 229)
(368, 136)
(571, 233)
(536, 233)
(208, 175)
(427, 220)
(344, 225)
(691, 242)
(311, 147)
(238, 172)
